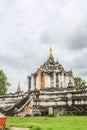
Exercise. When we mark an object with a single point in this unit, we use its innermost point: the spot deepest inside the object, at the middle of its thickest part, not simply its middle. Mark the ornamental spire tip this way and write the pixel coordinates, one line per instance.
(51, 54)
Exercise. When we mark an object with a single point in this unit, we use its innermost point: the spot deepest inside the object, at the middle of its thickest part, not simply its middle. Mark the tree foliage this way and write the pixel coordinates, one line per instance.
(79, 82)
(3, 82)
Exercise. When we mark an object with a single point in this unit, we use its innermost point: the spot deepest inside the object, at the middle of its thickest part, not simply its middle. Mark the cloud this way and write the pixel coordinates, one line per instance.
(78, 40)
(29, 27)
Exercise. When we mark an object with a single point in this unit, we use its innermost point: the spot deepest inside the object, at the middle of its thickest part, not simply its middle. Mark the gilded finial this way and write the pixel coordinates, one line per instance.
(50, 55)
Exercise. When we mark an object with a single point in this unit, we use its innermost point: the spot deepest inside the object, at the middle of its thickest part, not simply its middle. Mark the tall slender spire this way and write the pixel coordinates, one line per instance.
(51, 54)
(18, 89)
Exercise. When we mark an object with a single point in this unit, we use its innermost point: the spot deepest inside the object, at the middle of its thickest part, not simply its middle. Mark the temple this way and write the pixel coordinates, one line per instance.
(51, 91)
(51, 75)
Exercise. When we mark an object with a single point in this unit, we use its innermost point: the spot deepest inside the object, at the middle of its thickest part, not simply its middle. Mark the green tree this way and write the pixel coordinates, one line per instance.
(3, 82)
(79, 82)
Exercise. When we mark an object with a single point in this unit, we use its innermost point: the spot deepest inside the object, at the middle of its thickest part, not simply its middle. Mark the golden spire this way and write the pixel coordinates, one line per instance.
(50, 55)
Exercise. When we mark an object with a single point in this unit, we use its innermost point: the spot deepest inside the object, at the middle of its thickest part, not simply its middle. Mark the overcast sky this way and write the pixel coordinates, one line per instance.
(29, 27)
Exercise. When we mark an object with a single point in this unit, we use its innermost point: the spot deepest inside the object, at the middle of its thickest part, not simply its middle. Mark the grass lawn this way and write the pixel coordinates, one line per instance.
(54, 123)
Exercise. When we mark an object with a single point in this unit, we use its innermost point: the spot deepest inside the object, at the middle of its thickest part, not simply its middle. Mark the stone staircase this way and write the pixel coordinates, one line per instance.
(10, 111)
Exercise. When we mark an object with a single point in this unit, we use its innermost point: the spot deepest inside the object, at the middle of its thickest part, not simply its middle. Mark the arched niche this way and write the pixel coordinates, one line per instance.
(43, 79)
